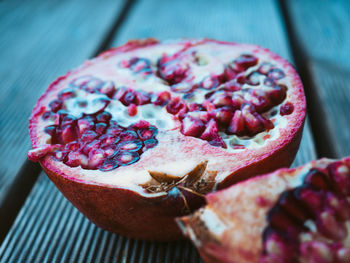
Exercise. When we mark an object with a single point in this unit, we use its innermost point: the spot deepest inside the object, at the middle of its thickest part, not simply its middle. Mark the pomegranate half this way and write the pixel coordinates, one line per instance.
(290, 215)
(138, 135)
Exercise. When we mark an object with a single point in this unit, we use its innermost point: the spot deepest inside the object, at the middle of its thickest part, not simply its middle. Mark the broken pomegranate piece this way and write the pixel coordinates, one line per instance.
(138, 135)
(290, 215)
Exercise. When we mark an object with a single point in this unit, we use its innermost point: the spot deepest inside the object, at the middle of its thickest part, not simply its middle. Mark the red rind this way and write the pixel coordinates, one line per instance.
(128, 212)
(243, 208)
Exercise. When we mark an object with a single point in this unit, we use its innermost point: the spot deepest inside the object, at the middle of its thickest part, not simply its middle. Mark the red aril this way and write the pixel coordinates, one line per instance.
(153, 126)
(290, 215)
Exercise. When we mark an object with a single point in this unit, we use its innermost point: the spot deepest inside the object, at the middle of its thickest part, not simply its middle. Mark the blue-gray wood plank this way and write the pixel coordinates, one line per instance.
(49, 229)
(322, 31)
(40, 40)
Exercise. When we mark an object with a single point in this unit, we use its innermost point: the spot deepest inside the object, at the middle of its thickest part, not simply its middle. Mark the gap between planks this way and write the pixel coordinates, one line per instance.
(316, 112)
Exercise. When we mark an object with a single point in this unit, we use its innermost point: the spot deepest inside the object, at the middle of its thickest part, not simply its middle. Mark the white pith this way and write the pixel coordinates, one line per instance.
(212, 56)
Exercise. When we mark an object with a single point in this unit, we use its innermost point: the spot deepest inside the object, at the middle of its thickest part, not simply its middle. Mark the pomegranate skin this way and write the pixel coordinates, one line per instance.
(236, 223)
(122, 211)
(129, 213)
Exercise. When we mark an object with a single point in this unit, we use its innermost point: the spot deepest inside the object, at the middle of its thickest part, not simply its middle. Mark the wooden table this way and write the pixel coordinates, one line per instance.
(41, 40)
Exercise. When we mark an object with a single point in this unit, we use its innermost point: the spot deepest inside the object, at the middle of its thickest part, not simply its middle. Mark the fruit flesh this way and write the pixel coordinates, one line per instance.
(142, 94)
(116, 82)
(291, 215)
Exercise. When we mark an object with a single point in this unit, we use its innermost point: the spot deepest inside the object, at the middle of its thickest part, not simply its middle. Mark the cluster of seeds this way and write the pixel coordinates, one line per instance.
(232, 102)
(93, 140)
(310, 223)
(228, 106)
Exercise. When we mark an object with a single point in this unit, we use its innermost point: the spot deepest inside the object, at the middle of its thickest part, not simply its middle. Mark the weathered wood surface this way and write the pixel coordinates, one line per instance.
(322, 35)
(48, 228)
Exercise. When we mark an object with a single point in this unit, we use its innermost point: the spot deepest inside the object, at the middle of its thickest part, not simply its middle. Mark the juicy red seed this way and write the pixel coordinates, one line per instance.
(66, 94)
(142, 98)
(141, 124)
(162, 98)
(286, 109)
(60, 155)
(276, 74)
(108, 88)
(147, 133)
(107, 139)
(114, 130)
(129, 98)
(104, 117)
(269, 82)
(318, 180)
(278, 94)
(265, 68)
(195, 107)
(47, 115)
(55, 105)
(72, 146)
(108, 165)
(109, 150)
(209, 83)
(95, 144)
(149, 144)
(68, 134)
(128, 135)
(100, 127)
(175, 105)
(50, 130)
(126, 158)
(88, 136)
(68, 120)
(92, 85)
(140, 65)
(119, 95)
(245, 61)
(132, 109)
(131, 146)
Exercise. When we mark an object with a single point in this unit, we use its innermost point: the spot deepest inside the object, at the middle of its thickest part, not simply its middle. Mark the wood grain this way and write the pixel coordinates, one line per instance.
(49, 229)
(322, 33)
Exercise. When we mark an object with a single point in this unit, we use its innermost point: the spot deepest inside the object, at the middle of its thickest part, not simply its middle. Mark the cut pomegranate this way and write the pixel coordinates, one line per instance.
(290, 215)
(145, 108)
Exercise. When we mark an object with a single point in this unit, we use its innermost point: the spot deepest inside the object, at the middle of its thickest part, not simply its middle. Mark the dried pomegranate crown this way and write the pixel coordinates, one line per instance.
(152, 116)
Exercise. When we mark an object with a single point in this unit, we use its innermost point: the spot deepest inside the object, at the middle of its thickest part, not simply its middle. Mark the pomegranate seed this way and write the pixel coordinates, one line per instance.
(107, 139)
(95, 144)
(68, 134)
(66, 94)
(128, 135)
(131, 146)
(132, 109)
(108, 165)
(286, 109)
(175, 105)
(126, 158)
(108, 88)
(100, 127)
(162, 98)
(51, 130)
(142, 98)
(192, 127)
(88, 136)
(104, 117)
(276, 74)
(237, 124)
(147, 133)
(149, 144)
(244, 62)
(55, 105)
